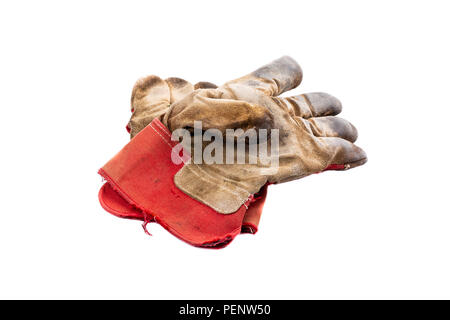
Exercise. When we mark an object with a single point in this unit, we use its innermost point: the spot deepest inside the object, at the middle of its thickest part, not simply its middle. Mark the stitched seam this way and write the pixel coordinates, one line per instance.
(159, 134)
(164, 130)
(166, 142)
(171, 143)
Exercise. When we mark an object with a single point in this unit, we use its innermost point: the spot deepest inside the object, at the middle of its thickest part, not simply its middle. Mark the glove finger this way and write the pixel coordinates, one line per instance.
(307, 105)
(343, 154)
(204, 85)
(274, 78)
(150, 98)
(149, 91)
(332, 127)
(179, 88)
(216, 113)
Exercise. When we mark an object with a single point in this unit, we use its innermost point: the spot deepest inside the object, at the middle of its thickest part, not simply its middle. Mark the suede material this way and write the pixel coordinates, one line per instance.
(311, 138)
(151, 97)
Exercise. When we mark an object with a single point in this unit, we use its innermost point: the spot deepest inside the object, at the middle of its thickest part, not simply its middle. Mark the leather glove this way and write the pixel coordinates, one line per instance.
(311, 137)
(242, 103)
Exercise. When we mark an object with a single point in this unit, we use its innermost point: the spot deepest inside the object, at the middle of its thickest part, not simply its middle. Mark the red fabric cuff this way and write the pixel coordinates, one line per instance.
(140, 185)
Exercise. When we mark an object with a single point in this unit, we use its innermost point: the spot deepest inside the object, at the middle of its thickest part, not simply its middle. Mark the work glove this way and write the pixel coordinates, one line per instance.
(311, 137)
(227, 190)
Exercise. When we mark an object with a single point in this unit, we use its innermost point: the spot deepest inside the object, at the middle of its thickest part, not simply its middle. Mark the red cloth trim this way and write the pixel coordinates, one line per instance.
(335, 167)
(253, 215)
(115, 204)
(142, 173)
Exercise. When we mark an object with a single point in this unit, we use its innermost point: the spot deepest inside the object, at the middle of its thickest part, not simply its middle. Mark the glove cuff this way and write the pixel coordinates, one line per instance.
(142, 173)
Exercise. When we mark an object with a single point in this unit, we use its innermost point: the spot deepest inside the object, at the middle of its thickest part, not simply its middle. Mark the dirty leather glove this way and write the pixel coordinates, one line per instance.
(311, 138)
(143, 175)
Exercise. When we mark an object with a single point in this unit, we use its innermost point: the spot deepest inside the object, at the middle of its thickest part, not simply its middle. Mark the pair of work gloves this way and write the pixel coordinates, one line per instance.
(208, 204)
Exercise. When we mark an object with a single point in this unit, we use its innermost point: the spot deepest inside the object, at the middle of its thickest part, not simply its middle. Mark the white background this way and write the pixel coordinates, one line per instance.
(378, 231)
